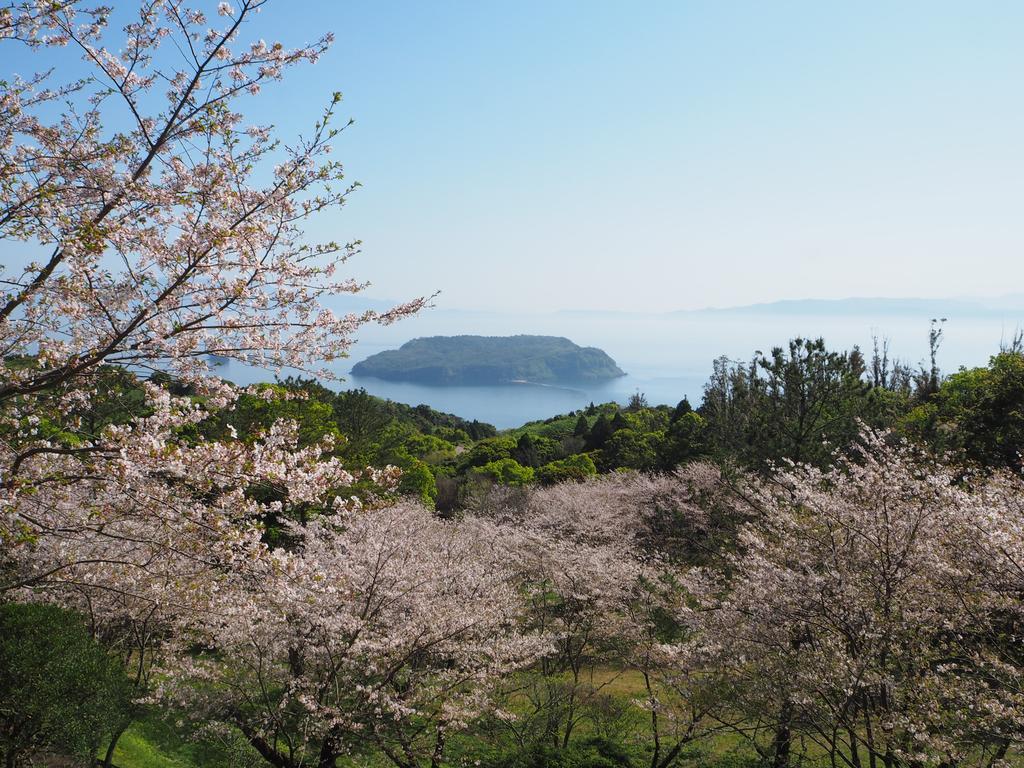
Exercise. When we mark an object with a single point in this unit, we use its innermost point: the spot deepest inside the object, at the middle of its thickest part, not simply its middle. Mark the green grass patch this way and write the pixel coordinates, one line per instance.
(136, 750)
(155, 742)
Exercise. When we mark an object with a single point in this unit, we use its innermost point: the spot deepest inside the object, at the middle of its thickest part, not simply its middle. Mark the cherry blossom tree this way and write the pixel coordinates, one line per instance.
(992, 551)
(873, 609)
(859, 614)
(147, 225)
(389, 629)
(153, 528)
(169, 237)
(600, 582)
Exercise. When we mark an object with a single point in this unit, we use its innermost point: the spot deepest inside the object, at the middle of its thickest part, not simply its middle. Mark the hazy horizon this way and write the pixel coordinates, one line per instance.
(668, 355)
(1006, 301)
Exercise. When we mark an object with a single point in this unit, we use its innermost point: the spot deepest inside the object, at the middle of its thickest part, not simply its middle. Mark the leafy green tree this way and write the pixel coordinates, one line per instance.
(59, 690)
(391, 445)
(798, 403)
(570, 444)
(254, 414)
(600, 431)
(452, 435)
(430, 421)
(929, 379)
(629, 449)
(681, 409)
(977, 413)
(479, 430)
(429, 448)
(417, 480)
(361, 418)
(448, 494)
(505, 472)
(684, 440)
(637, 401)
(548, 449)
(525, 452)
(487, 450)
(582, 427)
(572, 468)
(810, 394)
(888, 373)
(730, 401)
(309, 387)
(648, 419)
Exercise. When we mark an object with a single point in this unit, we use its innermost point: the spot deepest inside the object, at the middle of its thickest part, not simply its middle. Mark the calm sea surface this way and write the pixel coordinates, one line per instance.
(667, 357)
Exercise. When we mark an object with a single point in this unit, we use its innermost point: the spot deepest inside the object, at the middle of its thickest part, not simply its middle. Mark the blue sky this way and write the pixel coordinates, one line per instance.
(667, 155)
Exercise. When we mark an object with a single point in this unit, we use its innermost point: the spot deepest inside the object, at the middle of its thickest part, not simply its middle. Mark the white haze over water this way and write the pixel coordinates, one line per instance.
(669, 356)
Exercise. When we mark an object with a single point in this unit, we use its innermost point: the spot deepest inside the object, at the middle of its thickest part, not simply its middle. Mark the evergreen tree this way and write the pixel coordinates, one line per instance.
(977, 414)
(599, 433)
(361, 418)
(619, 422)
(800, 403)
(637, 401)
(681, 410)
(525, 452)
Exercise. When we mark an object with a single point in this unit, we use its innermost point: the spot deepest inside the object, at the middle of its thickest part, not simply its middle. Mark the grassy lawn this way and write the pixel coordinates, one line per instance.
(154, 743)
(136, 750)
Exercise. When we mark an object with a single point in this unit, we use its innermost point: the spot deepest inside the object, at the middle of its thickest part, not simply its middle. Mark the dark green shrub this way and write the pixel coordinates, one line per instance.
(59, 690)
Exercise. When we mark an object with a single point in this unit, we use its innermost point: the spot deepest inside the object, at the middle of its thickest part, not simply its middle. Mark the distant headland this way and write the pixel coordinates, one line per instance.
(490, 360)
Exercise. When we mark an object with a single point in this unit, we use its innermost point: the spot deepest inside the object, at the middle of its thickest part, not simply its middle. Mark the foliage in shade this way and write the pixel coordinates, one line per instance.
(59, 690)
(977, 414)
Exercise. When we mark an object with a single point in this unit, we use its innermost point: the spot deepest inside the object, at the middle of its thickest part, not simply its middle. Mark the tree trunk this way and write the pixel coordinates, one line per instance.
(327, 757)
(869, 735)
(673, 753)
(854, 748)
(436, 760)
(782, 743)
(1000, 753)
(108, 758)
(266, 750)
(655, 732)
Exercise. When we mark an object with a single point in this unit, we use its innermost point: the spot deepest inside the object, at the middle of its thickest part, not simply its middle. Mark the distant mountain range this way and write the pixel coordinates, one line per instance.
(853, 306)
(857, 305)
(879, 306)
(490, 360)
(865, 306)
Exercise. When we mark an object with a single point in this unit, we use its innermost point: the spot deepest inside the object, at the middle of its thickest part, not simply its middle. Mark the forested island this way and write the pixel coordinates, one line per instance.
(490, 360)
